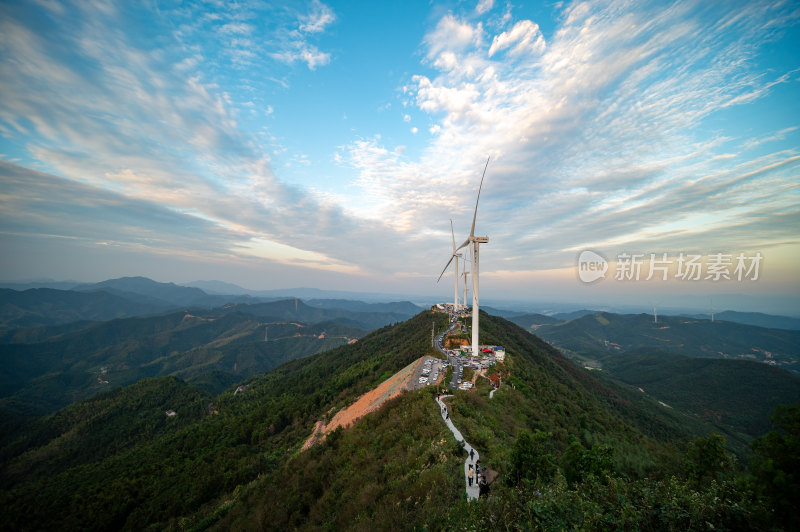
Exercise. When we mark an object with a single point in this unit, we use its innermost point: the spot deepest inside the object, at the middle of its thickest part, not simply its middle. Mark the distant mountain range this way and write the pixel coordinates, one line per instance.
(139, 296)
(59, 346)
(754, 318)
(217, 349)
(603, 333)
(46, 306)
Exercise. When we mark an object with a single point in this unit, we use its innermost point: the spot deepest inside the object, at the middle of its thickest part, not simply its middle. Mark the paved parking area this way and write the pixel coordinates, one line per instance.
(436, 368)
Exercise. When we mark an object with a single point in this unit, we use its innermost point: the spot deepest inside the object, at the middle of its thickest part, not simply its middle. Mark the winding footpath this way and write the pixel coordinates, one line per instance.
(472, 491)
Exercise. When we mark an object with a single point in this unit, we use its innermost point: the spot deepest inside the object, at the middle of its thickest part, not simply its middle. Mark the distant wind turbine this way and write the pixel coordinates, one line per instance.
(455, 277)
(655, 310)
(475, 242)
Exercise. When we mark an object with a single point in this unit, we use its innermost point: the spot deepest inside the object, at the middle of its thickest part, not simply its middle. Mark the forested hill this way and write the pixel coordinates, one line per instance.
(571, 449)
(737, 396)
(216, 350)
(603, 333)
(195, 461)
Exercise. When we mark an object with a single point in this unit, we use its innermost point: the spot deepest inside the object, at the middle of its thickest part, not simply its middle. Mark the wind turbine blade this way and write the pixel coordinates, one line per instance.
(453, 235)
(465, 244)
(445, 268)
(472, 231)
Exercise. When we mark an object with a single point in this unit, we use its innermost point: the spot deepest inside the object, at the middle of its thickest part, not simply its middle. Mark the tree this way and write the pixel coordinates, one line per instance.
(707, 459)
(532, 457)
(776, 464)
(578, 463)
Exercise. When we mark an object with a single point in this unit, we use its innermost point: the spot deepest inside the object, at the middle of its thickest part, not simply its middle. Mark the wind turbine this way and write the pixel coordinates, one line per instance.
(455, 255)
(655, 312)
(475, 241)
(464, 275)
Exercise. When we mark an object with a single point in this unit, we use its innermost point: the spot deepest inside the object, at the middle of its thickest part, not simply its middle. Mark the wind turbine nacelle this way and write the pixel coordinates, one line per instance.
(482, 239)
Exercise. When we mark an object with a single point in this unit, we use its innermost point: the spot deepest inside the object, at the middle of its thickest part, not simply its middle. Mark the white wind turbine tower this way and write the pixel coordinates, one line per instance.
(464, 275)
(455, 255)
(475, 241)
(655, 312)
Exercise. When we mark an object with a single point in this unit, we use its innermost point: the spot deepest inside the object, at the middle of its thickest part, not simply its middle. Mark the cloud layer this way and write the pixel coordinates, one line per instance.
(597, 134)
(618, 129)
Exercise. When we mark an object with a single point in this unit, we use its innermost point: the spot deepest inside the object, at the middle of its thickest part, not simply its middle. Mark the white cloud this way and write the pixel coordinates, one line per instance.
(305, 53)
(452, 35)
(296, 46)
(592, 138)
(136, 129)
(414, 130)
(591, 134)
(316, 21)
(238, 28)
(484, 6)
(524, 38)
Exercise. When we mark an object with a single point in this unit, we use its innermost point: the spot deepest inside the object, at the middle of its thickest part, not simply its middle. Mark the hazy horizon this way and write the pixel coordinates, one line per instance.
(675, 304)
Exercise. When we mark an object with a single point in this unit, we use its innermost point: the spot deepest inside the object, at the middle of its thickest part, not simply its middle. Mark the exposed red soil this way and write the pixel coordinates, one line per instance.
(369, 402)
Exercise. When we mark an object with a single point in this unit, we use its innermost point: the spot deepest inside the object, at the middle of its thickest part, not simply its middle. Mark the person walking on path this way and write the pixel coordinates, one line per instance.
(472, 454)
(469, 475)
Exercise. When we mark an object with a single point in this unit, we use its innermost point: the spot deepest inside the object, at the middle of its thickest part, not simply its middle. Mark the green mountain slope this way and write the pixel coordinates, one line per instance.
(603, 333)
(387, 471)
(35, 335)
(758, 319)
(295, 309)
(530, 321)
(47, 306)
(737, 396)
(571, 448)
(40, 377)
(550, 393)
(397, 468)
(193, 467)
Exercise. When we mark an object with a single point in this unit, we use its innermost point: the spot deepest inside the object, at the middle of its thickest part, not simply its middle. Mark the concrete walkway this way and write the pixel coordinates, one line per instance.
(472, 491)
(491, 394)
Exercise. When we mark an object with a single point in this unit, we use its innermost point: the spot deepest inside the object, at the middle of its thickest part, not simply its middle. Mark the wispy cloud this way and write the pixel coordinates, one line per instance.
(320, 17)
(295, 46)
(484, 6)
(115, 120)
(592, 132)
(598, 132)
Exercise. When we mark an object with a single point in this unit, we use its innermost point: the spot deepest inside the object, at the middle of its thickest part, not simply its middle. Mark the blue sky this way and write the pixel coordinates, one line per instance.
(328, 144)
